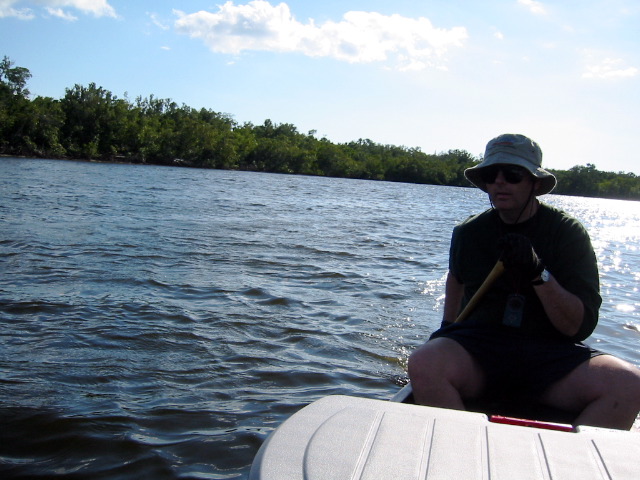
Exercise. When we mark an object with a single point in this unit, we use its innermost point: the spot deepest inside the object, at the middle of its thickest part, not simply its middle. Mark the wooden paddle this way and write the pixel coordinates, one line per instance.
(494, 274)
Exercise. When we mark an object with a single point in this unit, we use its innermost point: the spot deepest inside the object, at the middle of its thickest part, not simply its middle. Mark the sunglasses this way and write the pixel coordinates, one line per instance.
(511, 173)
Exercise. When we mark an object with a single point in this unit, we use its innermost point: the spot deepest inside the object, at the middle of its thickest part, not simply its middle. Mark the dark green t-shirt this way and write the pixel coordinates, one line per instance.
(562, 244)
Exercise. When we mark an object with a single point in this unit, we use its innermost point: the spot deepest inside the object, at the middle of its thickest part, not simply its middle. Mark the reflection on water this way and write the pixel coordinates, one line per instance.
(159, 322)
(614, 226)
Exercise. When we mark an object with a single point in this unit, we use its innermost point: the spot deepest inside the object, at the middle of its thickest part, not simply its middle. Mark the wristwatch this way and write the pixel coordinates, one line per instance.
(544, 278)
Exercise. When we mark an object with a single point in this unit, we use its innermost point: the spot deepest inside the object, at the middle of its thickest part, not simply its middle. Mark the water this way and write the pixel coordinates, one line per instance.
(160, 322)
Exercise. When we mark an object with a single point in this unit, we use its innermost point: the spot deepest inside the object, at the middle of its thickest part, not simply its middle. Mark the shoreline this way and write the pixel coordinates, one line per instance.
(184, 164)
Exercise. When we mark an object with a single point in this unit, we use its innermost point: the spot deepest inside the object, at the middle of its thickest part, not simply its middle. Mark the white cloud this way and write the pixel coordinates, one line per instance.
(24, 9)
(58, 12)
(7, 10)
(360, 37)
(534, 6)
(157, 22)
(610, 68)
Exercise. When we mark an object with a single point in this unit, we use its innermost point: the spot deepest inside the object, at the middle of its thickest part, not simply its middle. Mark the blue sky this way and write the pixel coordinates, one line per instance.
(437, 75)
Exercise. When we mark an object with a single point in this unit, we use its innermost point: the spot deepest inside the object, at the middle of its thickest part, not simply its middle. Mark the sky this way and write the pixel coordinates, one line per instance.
(431, 74)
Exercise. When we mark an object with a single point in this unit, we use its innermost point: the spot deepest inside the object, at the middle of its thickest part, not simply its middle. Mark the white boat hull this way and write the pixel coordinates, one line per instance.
(340, 437)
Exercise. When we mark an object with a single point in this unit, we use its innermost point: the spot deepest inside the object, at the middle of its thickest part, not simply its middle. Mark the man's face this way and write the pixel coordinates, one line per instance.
(509, 187)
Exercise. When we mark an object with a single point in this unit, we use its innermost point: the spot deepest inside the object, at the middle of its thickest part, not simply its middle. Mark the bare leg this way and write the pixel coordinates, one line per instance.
(442, 373)
(605, 389)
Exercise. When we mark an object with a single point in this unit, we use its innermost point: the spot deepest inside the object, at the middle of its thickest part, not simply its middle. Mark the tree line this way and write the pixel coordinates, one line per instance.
(91, 123)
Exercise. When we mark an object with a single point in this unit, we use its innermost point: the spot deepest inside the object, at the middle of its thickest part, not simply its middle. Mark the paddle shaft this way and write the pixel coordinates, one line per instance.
(494, 274)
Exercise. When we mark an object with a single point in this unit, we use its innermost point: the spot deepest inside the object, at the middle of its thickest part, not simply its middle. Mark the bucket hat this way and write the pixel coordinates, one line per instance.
(513, 149)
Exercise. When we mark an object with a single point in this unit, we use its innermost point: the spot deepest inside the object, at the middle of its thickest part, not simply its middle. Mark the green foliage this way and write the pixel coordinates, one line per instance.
(588, 181)
(14, 79)
(92, 123)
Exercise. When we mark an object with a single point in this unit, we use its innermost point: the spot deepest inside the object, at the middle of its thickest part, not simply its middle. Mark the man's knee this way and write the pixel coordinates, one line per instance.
(617, 376)
(430, 359)
(444, 361)
(615, 387)
(601, 377)
(628, 382)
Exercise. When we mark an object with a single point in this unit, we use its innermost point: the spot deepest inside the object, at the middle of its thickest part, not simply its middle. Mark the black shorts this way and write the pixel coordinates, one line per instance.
(516, 365)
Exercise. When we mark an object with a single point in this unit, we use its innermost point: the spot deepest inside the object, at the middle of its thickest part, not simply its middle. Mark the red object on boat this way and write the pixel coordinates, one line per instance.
(562, 427)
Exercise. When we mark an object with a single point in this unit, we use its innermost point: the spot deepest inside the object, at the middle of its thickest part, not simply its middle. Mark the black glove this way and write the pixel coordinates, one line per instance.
(519, 257)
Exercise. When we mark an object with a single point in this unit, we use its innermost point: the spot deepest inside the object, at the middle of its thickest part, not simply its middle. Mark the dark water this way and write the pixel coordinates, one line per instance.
(160, 322)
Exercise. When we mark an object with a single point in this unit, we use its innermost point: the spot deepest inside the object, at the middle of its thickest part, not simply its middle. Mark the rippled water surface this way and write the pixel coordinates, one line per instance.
(160, 322)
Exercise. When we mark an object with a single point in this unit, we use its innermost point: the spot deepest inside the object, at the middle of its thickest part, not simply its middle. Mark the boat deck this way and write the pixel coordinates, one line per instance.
(341, 437)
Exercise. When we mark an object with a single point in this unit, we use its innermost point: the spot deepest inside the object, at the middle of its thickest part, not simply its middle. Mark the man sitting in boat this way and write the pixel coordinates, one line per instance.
(523, 339)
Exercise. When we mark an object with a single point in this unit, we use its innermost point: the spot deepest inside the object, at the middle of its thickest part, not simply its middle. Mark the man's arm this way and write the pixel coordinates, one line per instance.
(564, 309)
(454, 292)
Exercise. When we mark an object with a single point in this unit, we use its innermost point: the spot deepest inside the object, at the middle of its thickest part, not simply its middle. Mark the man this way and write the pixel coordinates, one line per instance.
(523, 339)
